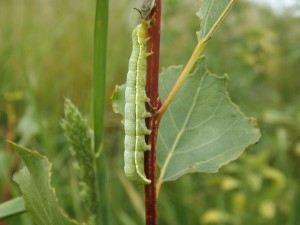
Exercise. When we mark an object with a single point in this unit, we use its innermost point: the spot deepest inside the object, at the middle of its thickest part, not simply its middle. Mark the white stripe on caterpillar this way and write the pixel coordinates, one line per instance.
(135, 109)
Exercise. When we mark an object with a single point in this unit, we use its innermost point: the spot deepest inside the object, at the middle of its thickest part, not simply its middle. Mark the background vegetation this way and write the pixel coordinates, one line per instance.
(46, 54)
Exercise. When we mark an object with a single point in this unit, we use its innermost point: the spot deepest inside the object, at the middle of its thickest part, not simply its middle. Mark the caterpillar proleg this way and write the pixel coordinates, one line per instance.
(135, 109)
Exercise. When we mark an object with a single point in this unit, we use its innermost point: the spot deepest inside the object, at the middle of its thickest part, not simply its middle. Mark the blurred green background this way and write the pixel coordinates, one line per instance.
(46, 54)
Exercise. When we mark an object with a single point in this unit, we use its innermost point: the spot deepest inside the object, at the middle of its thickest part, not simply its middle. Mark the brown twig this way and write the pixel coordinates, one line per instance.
(153, 122)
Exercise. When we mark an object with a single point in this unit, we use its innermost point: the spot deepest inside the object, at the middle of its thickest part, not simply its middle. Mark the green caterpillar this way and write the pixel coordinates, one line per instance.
(135, 110)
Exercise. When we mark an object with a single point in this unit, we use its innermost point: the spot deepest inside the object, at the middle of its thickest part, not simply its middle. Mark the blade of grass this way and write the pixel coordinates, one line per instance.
(100, 48)
(12, 207)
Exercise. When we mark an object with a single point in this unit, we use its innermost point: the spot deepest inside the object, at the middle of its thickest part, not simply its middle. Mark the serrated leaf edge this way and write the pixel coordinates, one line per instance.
(52, 189)
(251, 120)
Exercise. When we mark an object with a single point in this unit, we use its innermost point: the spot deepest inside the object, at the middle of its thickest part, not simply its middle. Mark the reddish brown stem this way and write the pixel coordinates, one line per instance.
(153, 122)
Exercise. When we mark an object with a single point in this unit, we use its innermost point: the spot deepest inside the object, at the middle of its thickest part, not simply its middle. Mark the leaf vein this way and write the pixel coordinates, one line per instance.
(203, 162)
(209, 118)
(182, 129)
(210, 141)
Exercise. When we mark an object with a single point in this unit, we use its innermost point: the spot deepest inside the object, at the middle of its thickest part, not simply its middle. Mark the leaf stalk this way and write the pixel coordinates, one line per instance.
(185, 72)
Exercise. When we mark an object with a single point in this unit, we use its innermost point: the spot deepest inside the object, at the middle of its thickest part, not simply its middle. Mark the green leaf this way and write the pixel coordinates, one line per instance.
(118, 99)
(39, 196)
(99, 78)
(211, 14)
(12, 207)
(202, 129)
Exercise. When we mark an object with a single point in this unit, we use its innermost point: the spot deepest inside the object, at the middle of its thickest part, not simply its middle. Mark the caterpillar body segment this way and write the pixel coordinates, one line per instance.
(135, 109)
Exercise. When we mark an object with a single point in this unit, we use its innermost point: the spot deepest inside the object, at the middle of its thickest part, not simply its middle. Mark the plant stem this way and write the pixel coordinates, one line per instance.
(100, 49)
(153, 122)
(185, 72)
(198, 50)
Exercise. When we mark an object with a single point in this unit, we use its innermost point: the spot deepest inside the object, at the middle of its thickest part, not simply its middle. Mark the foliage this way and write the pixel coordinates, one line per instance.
(260, 50)
(12, 207)
(204, 133)
(201, 119)
(39, 196)
(79, 138)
